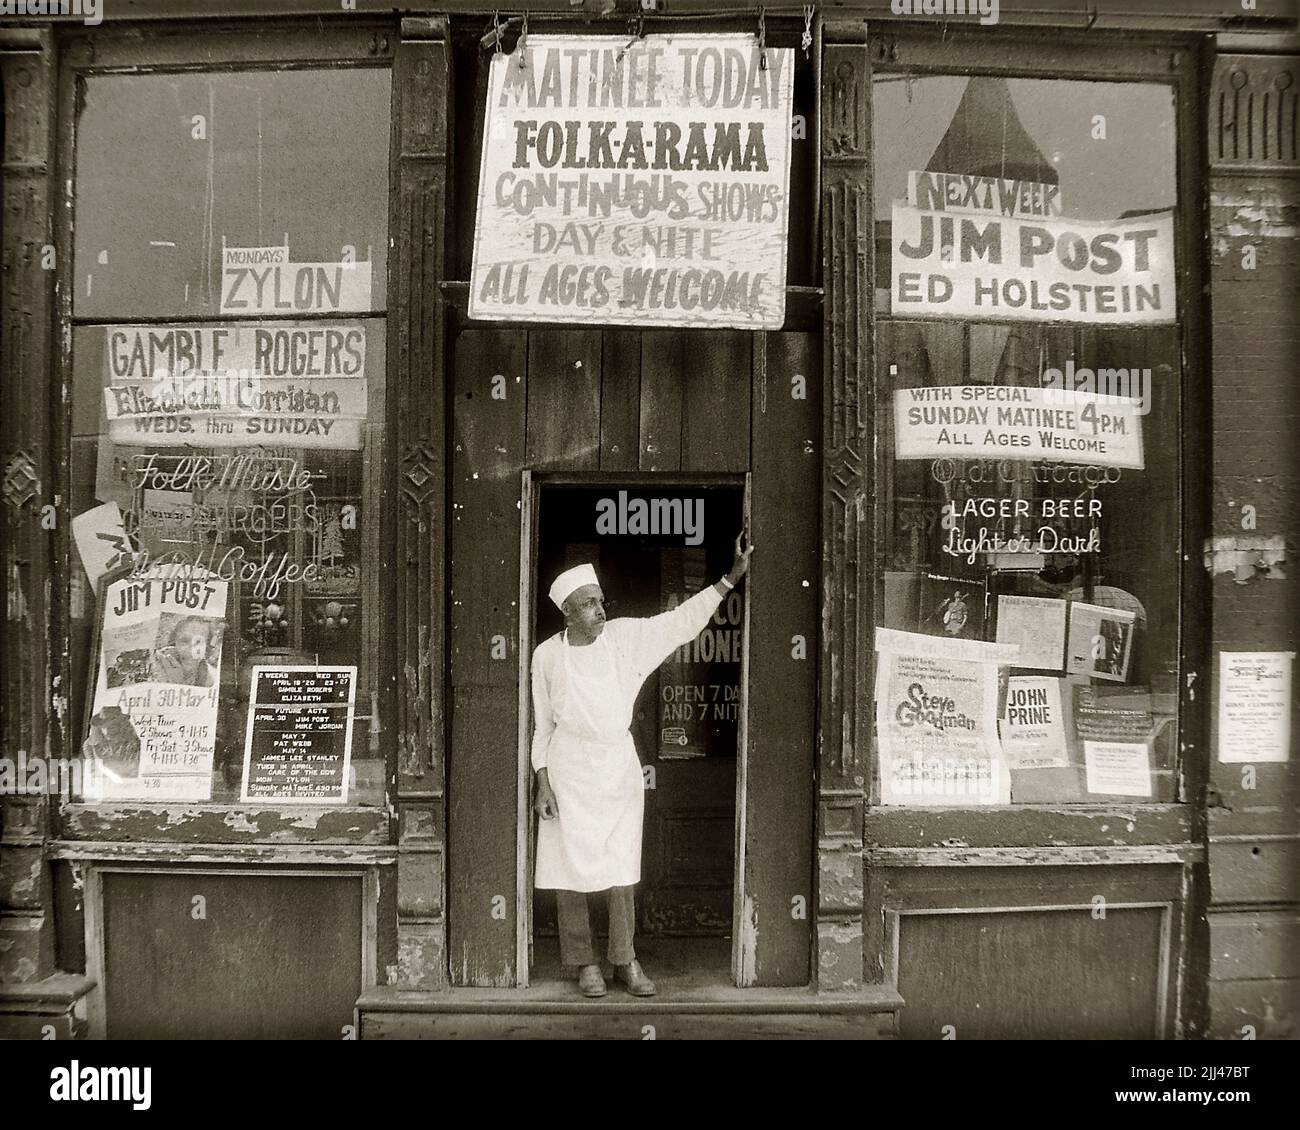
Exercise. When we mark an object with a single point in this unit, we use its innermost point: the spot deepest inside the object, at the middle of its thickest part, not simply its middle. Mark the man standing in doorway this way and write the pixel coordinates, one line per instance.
(589, 790)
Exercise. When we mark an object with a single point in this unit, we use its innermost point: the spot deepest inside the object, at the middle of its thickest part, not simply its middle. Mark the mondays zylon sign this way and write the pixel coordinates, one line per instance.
(640, 183)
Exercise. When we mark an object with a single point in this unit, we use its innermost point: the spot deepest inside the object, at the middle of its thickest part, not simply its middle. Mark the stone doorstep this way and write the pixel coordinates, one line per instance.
(562, 997)
(555, 1011)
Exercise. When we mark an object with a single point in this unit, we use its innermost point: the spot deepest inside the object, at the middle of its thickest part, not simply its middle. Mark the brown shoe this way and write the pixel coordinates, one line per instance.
(590, 981)
(633, 976)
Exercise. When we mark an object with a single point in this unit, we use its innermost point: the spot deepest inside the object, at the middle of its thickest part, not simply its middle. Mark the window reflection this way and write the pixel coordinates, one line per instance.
(174, 168)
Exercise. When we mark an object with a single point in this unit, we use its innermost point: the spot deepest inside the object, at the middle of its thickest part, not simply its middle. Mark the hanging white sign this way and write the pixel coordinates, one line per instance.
(640, 182)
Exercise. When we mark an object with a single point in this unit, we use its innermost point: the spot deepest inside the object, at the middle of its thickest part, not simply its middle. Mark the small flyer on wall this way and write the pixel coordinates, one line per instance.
(1118, 768)
(1255, 705)
(298, 746)
(1037, 625)
(1100, 643)
(937, 720)
(1033, 724)
(153, 724)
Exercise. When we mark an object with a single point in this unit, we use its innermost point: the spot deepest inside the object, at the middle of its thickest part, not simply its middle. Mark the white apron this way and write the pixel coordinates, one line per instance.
(595, 842)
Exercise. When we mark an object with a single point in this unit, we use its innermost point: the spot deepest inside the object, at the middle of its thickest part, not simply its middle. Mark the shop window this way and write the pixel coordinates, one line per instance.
(228, 389)
(1028, 384)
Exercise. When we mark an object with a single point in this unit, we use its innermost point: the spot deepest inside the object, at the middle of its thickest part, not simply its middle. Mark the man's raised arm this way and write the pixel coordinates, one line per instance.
(659, 636)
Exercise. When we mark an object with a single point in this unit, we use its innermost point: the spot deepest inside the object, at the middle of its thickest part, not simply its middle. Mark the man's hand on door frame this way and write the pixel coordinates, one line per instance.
(740, 559)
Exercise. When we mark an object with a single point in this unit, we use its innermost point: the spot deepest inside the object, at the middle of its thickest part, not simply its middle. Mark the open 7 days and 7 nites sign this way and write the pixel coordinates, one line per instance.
(639, 182)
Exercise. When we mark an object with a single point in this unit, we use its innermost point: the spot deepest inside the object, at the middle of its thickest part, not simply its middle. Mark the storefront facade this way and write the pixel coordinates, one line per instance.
(302, 796)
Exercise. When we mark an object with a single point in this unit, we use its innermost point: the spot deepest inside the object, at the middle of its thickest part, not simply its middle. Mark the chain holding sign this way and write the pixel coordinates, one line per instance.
(641, 183)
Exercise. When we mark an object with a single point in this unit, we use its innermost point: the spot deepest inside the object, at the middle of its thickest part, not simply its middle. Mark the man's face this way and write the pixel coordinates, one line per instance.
(585, 609)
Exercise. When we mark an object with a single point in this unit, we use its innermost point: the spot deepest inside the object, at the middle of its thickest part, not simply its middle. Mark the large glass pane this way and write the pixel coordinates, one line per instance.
(1029, 421)
(181, 177)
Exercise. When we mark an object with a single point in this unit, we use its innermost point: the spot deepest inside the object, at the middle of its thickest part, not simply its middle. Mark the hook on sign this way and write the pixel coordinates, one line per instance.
(522, 46)
(762, 39)
(805, 40)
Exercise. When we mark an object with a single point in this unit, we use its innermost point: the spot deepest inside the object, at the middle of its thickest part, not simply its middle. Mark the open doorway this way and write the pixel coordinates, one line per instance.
(654, 543)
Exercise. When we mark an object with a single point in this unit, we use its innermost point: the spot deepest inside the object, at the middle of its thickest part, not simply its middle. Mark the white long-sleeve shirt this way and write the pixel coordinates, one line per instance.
(638, 646)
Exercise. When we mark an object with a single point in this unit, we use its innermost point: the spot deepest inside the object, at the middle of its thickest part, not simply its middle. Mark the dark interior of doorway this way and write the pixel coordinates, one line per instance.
(684, 723)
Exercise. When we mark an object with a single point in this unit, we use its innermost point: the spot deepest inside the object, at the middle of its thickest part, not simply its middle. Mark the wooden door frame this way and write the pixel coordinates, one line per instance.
(531, 485)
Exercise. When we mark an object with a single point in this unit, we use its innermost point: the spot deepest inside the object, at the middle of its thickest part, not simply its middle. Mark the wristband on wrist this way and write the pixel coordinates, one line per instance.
(726, 584)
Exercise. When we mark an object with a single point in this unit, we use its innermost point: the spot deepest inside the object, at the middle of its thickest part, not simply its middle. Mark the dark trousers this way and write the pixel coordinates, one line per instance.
(575, 927)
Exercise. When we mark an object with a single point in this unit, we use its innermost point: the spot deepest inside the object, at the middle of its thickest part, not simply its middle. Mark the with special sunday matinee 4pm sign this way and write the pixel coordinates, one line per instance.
(640, 183)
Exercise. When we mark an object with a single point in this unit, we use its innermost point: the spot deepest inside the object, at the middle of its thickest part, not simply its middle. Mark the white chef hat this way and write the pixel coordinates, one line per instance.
(570, 581)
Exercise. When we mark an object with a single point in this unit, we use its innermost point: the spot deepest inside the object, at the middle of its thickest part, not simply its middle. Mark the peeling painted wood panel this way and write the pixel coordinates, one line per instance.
(210, 824)
(1063, 825)
(783, 586)
(1254, 945)
(564, 387)
(1259, 871)
(481, 835)
(117, 851)
(620, 399)
(663, 354)
(1270, 1009)
(939, 888)
(1268, 808)
(1000, 975)
(715, 417)
(487, 459)
(1035, 856)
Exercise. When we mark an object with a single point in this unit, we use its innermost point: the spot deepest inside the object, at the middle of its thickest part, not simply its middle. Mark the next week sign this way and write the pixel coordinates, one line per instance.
(992, 248)
(635, 183)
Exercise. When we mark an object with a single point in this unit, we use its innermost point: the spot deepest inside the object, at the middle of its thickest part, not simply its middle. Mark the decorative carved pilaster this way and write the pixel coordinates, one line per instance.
(1254, 100)
(847, 514)
(29, 463)
(422, 100)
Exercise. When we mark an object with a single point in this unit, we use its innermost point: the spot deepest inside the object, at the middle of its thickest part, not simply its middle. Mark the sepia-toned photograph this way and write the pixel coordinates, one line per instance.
(627, 520)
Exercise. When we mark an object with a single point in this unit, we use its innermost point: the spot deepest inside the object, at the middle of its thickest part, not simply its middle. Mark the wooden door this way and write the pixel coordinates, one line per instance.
(662, 411)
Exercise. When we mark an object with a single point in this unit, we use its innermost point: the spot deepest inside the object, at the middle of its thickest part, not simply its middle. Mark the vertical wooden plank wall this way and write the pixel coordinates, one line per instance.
(29, 462)
(417, 372)
(487, 461)
(778, 901)
(847, 537)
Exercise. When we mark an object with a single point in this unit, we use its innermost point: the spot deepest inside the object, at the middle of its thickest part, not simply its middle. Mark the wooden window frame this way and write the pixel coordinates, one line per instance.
(1177, 62)
(226, 47)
